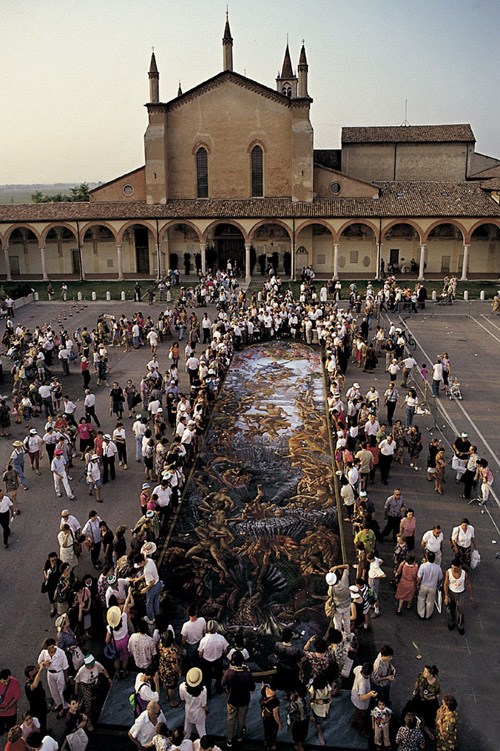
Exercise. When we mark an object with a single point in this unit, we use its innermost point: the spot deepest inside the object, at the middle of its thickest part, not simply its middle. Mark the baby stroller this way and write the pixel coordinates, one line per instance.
(454, 391)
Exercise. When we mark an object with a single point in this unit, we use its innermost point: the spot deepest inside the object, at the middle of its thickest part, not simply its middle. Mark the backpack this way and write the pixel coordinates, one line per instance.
(137, 703)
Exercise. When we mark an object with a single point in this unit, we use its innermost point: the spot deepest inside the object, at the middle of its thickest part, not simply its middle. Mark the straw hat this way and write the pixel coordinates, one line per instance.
(331, 578)
(114, 616)
(149, 548)
(194, 677)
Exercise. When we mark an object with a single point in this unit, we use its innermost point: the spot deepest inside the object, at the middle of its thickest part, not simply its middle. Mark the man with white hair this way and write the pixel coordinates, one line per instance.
(338, 602)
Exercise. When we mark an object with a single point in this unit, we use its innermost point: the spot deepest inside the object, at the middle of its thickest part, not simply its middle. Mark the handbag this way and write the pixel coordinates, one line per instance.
(43, 588)
(475, 559)
(77, 548)
(77, 658)
(110, 650)
(78, 740)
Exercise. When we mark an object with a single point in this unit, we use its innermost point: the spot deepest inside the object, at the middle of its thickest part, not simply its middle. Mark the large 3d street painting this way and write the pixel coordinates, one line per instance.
(258, 525)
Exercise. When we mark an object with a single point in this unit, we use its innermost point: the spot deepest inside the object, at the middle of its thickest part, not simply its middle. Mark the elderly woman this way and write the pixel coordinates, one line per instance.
(66, 542)
(446, 724)
(67, 641)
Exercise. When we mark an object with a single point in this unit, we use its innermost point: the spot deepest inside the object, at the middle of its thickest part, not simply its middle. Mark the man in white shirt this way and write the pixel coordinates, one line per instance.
(437, 376)
(138, 429)
(152, 585)
(69, 410)
(36, 742)
(143, 730)
(463, 541)
(72, 521)
(58, 469)
(212, 650)
(89, 404)
(54, 660)
(429, 578)
(46, 396)
(408, 364)
(387, 448)
(152, 338)
(192, 632)
(109, 452)
(432, 541)
(92, 532)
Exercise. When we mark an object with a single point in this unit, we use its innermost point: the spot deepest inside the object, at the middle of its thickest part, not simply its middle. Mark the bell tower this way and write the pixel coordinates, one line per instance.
(286, 81)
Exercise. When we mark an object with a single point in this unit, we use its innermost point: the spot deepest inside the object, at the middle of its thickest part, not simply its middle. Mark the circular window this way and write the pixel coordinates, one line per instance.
(128, 190)
(366, 261)
(335, 188)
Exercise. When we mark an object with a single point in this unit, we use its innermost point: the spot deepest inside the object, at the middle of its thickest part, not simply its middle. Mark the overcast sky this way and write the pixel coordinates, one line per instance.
(73, 75)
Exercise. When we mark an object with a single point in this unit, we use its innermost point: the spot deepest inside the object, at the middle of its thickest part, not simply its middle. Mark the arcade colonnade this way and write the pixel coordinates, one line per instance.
(119, 249)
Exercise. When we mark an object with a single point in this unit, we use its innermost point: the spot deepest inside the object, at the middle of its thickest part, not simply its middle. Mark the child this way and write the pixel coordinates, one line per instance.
(424, 371)
(381, 718)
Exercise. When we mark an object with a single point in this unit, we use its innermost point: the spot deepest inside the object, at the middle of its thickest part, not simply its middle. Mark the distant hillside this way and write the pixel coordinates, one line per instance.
(22, 193)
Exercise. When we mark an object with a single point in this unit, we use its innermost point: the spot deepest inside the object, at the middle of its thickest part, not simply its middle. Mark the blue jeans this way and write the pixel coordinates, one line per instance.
(138, 448)
(410, 413)
(153, 601)
(435, 387)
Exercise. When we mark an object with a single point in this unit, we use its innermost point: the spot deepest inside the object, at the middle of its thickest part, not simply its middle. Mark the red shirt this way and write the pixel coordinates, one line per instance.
(9, 693)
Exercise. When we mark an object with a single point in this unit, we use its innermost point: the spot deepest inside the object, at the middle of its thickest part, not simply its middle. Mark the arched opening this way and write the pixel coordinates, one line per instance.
(400, 252)
(202, 173)
(257, 165)
(484, 254)
(180, 248)
(226, 244)
(62, 256)
(271, 246)
(357, 251)
(445, 249)
(97, 254)
(314, 248)
(24, 254)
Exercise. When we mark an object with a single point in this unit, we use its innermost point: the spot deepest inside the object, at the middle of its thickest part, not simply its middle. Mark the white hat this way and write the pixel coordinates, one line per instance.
(331, 578)
(355, 385)
(145, 485)
(355, 593)
(107, 437)
(33, 431)
(149, 548)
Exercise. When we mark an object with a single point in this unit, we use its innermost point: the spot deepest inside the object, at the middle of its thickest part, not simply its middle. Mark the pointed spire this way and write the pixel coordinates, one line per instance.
(179, 90)
(227, 46)
(152, 66)
(303, 58)
(154, 80)
(286, 71)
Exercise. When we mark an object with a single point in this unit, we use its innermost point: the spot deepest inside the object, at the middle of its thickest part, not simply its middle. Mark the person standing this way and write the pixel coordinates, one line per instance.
(437, 376)
(152, 584)
(429, 578)
(456, 581)
(92, 532)
(194, 695)
(33, 443)
(6, 509)
(109, 452)
(85, 369)
(387, 448)
(446, 724)
(17, 461)
(239, 684)
(58, 468)
(212, 650)
(120, 439)
(138, 429)
(35, 694)
(340, 598)
(192, 632)
(461, 447)
(361, 695)
(10, 693)
(463, 541)
(143, 730)
(391, 397)
(94, 477)
(87, 683)
(407, 573)
(270, 713)
(432, 541)
(393, 514)
(54, 660)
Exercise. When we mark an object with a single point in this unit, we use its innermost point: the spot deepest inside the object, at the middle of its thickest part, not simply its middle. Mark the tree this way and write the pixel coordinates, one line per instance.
(78, 193)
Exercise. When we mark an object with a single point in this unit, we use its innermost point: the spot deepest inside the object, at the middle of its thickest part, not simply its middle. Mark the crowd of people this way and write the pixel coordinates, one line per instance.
(118, 609)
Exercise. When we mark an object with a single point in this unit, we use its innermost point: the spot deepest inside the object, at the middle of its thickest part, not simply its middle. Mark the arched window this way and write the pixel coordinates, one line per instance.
(287, 90)
(202, 173)
(257, 172)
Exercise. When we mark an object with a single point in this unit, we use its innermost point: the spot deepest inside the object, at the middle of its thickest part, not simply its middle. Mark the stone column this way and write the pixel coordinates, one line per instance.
(336, 260)
(203, 254)
(421, 268)
(378, 261)
(248, 277)
(465, 263)
(8, 272)
(82, 269)
(119, 262)
(44, 265)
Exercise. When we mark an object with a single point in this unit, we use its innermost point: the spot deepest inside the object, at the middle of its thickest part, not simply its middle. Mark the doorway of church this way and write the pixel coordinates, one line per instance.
(229, 245)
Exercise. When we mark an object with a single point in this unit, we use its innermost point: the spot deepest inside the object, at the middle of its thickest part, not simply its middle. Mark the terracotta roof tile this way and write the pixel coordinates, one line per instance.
(408, 134)
(404, 199)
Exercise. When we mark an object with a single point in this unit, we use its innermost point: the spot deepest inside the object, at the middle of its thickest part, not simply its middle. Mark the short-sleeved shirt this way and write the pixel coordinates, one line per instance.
(213, 646)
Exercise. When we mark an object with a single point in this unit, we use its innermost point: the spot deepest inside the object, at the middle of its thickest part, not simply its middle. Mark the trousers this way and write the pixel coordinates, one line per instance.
(425, 601)
(236, 719)
(57, 684)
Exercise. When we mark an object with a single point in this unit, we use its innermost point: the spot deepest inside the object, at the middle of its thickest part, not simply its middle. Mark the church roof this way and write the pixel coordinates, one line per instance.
(218, 80)
(397, 199)
(409, 134)
(286, 71)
